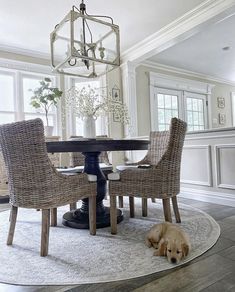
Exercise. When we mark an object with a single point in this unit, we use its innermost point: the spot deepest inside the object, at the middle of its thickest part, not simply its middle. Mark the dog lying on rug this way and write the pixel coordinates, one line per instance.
(169, 240)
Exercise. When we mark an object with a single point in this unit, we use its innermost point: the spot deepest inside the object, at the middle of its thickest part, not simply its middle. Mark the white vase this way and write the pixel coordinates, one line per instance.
(89, 130)
(48, 131)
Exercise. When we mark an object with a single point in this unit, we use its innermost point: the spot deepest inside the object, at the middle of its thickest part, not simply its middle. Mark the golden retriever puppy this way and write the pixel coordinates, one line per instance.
(169, 240)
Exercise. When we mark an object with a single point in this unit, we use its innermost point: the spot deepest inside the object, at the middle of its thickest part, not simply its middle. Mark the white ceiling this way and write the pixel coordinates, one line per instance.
(203, 52)
(26, 24)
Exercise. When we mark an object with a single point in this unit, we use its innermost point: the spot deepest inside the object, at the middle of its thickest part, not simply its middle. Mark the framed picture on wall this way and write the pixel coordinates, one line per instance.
(116, 117)
(117, 113)
(220, 102)
(222, 119)
(116, 95)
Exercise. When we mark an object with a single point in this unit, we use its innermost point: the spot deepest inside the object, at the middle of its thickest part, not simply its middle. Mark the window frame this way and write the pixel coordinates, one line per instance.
(181, 87)
(164, 91)
(202, 97)
(18, 73)
(12, 74)
(233, 108)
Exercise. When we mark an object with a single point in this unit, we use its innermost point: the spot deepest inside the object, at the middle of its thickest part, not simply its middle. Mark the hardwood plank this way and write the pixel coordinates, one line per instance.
(229, 233)
(221, 245)
(226, 284)
(194, 277)
(229, 253)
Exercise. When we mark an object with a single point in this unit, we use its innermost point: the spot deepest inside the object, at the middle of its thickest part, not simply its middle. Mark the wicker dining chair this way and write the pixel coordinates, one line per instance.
(35, 183)
(161, 178)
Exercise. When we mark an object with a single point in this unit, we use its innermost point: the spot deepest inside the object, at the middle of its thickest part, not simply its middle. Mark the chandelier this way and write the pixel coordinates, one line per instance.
(85, 45)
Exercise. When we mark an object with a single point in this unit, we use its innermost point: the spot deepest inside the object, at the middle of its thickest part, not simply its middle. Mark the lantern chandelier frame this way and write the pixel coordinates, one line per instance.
(79, 48)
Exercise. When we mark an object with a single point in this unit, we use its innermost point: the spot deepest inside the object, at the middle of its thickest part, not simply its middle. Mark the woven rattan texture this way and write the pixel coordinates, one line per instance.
(3, 174)
(33, 181)
(162, 179)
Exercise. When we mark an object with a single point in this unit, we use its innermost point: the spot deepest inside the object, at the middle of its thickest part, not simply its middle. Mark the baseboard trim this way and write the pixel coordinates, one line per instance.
(225, 199)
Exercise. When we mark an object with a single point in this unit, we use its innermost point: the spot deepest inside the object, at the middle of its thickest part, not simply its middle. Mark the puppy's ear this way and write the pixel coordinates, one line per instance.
(185, 249)
(162, 248)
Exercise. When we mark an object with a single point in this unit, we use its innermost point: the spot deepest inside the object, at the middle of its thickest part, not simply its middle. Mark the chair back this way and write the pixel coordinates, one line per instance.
(157, 147)
(176, 141)
(167, 143)
(170, 162)
(25, 155)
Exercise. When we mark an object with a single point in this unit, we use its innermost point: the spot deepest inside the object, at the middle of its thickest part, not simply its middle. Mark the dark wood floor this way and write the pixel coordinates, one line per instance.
(213, 271)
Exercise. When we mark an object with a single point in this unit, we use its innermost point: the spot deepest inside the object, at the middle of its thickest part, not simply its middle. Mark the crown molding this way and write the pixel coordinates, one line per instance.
(25, 66)
(182, 28)
(188, 73)
(24, 52)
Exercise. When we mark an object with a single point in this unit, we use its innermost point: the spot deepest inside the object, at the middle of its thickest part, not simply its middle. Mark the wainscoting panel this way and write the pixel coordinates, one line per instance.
(196, 165)
(225, 166)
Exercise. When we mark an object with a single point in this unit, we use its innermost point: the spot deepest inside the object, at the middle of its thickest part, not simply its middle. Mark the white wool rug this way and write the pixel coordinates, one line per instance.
(75, 257)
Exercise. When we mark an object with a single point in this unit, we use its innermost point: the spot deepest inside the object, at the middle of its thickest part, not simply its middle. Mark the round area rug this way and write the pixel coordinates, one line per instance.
(75, 257)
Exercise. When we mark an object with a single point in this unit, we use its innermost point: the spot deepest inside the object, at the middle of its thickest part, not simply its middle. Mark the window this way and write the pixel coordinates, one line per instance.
(170, 99)
(32, 82)
(195, 111)
(15, 97)
(7, 101)
(167, 107)
(233, 107)
(190, 107)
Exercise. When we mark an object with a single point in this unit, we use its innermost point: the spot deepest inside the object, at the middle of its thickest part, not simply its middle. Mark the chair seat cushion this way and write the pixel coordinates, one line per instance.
(92, 177)
(124, 167)
(71, 170)
(79, 169)
(114, 176)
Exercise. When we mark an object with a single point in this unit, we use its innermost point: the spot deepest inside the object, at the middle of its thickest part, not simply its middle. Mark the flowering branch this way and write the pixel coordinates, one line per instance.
(89, 102)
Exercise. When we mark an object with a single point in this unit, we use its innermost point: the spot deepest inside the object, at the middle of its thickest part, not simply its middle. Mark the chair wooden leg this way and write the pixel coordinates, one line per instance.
(10, 215)
(144, 207)
(13, 217)
(113, 214)
(167, 209)
(54, 217)
(132, 207)
(73, 206)
(153, 200)
(176, 209)
(120, 201)
(92, 215)
(45, 232)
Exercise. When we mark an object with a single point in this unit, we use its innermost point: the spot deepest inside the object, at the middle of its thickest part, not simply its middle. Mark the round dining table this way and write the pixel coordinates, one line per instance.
(91, 149)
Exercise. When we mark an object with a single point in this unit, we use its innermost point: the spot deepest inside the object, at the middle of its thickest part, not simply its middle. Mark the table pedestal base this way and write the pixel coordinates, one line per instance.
(80, 220)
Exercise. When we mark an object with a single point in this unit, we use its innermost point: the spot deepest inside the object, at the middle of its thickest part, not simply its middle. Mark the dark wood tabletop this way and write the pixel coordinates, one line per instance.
(91, 149)
(96, 145)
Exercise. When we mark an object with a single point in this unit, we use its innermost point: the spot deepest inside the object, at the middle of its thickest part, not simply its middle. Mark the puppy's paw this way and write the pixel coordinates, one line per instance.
(155, 244)
(148, 242)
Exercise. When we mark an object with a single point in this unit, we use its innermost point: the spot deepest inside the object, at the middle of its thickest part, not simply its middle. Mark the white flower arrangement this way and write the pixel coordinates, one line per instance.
(91, 102)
